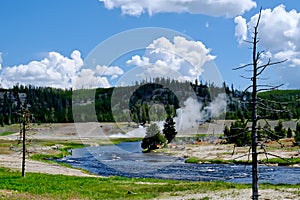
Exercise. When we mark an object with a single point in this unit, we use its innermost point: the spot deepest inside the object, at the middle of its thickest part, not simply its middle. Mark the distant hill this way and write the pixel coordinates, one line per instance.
(288, 100)
(281, 95)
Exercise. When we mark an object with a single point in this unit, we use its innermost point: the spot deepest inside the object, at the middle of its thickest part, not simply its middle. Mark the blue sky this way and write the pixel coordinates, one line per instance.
(71, 29)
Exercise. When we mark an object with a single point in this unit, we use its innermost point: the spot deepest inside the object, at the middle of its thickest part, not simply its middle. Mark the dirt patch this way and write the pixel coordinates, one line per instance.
(13, 161)
(14, 195)
(231, 194)
(208, 151)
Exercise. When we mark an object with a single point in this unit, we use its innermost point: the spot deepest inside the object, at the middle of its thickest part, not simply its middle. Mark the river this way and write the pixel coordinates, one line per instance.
(126, 159)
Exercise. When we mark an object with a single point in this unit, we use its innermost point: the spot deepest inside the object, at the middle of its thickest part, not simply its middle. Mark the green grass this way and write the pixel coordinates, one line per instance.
(68, 187)
(45, 157)
(7, 133)
(63, 151)
(279, 161)
(277, 186)
(120, 140)
(192, 160)
(43, 186)
(65, 143)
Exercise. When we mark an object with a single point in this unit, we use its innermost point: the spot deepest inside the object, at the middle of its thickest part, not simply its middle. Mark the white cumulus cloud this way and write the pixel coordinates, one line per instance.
(279, 29)
(227, 8)
(88, 78)
(58, 71)
(113, 71)
(279, 34)
(181, 59)
(55, 70)
(241, 28)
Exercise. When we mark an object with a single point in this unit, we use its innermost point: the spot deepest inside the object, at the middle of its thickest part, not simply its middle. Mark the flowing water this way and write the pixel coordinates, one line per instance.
(126, 159)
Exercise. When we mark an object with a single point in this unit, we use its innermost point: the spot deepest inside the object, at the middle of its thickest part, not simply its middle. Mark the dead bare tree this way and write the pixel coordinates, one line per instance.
(257, 70)
(25, 120)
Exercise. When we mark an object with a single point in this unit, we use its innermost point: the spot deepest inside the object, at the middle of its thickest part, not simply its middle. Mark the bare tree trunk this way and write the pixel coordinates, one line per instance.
(24, 145)
(254, 122)
(257, 70)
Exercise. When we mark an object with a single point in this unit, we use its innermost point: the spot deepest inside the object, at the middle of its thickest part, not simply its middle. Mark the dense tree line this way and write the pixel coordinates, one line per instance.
(142, 103)
(285, 104)
(46, 104)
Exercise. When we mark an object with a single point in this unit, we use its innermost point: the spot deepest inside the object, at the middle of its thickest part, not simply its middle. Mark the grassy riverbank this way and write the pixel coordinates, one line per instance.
(277, 161)
(43, 186)
(66, 187)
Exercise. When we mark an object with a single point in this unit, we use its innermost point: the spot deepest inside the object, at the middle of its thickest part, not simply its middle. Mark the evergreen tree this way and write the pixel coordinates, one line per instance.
(259, 132)
(227, 132)
(280, 131)
(297, 135)
(238, 133)
(268, 132)
(1, 120)
(153, 138)
(169, 129)
(289, 133)
(42, 100)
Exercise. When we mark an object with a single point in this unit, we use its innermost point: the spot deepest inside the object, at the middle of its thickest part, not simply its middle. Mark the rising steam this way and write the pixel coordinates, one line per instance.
(188, 117)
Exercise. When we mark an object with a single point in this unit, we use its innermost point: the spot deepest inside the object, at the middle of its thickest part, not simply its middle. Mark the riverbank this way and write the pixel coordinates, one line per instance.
(43, 186)
(13, 161)
(52, 141)
(215, 152)
(45, 140)
(51, 137)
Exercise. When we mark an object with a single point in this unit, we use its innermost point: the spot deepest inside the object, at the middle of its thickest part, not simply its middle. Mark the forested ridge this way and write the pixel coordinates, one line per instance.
(51, 105)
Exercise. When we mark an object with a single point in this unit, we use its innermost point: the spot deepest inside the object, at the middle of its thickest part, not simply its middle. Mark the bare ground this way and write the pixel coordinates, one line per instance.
(51, 132)
(212, 151)
(13, 161)
(231, 194)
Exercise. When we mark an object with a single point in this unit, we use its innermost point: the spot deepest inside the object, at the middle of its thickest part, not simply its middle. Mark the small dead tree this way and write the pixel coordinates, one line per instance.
(25, 120)
(257, 70)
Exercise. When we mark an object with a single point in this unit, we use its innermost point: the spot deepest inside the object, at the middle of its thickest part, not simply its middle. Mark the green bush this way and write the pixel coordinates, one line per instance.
(153, 138)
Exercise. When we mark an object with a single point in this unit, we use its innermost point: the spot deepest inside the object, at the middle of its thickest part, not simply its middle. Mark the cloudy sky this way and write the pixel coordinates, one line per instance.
(53, 42)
